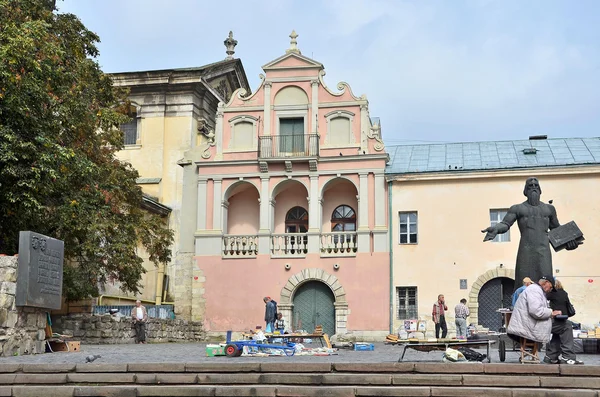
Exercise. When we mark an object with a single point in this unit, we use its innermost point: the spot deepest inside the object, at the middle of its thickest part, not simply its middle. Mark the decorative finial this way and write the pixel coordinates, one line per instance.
(293, 43)
(230, 44)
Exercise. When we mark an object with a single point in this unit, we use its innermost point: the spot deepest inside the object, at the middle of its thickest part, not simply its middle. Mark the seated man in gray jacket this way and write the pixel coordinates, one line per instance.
(531, 317)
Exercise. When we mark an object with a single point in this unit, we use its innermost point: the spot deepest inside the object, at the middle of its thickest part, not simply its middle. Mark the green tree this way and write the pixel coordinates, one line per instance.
(59, 118)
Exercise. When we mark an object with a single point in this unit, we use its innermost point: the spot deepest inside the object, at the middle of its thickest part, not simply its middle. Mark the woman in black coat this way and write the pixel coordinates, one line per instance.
(560, 349)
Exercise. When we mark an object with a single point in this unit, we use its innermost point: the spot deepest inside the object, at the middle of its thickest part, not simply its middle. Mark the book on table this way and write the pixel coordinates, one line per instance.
(560, 236)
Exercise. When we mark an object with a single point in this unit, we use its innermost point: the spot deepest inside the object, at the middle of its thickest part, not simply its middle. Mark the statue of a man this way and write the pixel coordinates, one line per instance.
(534, 218)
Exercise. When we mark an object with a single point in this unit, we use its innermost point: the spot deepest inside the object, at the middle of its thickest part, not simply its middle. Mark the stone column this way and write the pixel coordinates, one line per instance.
(219, 132)
(264, 232)
(189, 208)
(181, 272)
(380, 232)
(267, 109)
(314, 106)
(217, 207)
(201, 217)
(364, 243)
(365, 125)
(314, 216)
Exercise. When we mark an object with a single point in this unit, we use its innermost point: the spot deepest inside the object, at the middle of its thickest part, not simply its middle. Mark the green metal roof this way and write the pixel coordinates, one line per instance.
(474, 156)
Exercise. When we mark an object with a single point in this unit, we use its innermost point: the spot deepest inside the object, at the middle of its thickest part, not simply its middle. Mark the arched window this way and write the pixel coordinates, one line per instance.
(296, 220)
(343, 219)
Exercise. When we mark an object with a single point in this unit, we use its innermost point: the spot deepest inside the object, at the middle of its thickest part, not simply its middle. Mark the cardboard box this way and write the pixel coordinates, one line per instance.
(65, 346)
(74, 346)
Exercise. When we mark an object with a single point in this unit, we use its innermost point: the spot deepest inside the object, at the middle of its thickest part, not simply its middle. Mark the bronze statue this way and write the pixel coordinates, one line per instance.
(534, 218)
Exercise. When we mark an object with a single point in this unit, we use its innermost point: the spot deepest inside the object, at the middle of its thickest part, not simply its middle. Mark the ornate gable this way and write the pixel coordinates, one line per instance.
(292, 61)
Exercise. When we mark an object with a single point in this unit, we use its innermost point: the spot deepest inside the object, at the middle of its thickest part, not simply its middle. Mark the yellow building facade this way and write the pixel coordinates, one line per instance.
(442, 196)
(172, 111)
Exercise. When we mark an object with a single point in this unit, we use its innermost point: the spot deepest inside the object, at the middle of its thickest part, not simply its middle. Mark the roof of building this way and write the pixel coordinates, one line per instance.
(204, 70)
(475, 156)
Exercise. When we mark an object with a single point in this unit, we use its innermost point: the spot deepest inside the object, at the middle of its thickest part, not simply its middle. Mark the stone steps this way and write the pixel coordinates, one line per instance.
(298, 379)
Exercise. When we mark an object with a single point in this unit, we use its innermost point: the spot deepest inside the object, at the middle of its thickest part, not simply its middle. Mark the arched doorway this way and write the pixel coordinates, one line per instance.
(493, 295)
(314, 305)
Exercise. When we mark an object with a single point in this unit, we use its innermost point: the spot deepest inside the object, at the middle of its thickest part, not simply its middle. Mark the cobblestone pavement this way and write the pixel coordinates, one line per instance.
(195, 353)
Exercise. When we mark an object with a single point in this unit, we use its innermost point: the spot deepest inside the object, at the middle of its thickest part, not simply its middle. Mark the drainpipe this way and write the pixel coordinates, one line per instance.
(391, 252)
(159, 283)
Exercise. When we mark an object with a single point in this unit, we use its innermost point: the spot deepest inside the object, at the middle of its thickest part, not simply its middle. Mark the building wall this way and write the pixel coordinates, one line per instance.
(452, 211)
(242, 195)
(234, 289)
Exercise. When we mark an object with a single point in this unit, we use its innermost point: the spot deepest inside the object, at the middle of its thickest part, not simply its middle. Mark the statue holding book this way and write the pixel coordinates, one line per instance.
(535, 220)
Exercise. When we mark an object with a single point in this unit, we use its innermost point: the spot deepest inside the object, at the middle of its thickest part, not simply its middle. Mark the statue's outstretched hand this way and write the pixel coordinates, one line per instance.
(490, 233)
(571, 245)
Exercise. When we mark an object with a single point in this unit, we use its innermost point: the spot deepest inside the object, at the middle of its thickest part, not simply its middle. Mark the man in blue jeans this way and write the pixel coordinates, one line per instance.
(270, 313)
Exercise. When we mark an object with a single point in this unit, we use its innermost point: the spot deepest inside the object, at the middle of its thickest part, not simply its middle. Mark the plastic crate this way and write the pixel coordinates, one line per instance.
(364, 347)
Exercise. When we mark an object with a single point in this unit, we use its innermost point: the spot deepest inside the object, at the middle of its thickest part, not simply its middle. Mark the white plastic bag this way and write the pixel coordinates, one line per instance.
(453, 356)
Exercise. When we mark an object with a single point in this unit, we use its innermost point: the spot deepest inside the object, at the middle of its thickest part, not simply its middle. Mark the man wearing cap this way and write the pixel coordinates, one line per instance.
(531, 316)
(526, 283)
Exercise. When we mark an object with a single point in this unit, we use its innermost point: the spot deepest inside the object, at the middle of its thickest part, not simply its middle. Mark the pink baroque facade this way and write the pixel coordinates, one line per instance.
(285, 197)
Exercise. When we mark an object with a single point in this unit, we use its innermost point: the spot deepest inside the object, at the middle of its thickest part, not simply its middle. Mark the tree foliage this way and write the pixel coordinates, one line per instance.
(59, 118)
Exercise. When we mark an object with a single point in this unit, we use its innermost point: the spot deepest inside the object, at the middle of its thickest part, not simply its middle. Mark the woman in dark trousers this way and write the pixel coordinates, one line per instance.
(562, 330)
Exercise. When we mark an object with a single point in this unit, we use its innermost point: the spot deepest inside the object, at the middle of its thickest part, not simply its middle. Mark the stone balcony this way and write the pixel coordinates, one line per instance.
(290, 245)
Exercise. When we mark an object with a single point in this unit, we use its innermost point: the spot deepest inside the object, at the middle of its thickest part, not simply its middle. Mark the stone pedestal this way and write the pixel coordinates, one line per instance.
(22, 329)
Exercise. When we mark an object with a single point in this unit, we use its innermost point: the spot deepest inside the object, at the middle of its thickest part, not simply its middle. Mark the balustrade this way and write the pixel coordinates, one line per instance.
(289, 244)
(339, 244)
(240, 246)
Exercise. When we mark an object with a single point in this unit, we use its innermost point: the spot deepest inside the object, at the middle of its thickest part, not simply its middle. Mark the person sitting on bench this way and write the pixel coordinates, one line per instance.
(531, 317)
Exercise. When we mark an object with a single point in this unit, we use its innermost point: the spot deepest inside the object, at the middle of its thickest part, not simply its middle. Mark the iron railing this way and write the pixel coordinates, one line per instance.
(284, 146)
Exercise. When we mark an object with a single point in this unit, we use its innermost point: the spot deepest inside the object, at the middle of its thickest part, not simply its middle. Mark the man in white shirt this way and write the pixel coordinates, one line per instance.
(139, 316)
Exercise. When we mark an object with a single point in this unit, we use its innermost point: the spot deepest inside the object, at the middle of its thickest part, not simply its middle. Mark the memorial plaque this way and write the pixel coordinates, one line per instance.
(560, 236)
(40, 271)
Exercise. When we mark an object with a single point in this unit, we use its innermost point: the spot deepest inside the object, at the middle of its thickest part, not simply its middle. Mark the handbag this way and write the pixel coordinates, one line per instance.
(570, 309)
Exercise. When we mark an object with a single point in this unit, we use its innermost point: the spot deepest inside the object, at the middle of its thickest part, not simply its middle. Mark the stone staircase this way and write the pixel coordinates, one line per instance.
(272, 379)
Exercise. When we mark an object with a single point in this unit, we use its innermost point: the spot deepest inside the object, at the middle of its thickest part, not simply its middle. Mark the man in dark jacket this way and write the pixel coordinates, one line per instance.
(562, 330)
(270, 313)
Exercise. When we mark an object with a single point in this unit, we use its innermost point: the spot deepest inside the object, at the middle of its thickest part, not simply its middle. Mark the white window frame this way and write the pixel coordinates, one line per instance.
(243, 119)
(496, 215)
(329, 117)
(291, 114)
(408, 228)
(408, 311)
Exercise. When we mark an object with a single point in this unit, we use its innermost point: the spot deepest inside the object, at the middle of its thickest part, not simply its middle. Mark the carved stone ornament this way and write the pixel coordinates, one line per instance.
(210, 142)
(375, 133)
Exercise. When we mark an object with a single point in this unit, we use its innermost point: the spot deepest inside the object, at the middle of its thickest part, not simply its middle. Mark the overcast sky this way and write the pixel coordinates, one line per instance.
(434, 71)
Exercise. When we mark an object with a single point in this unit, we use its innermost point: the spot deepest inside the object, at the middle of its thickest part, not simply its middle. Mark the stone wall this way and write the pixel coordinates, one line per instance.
(109, 329)
(22, 329)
